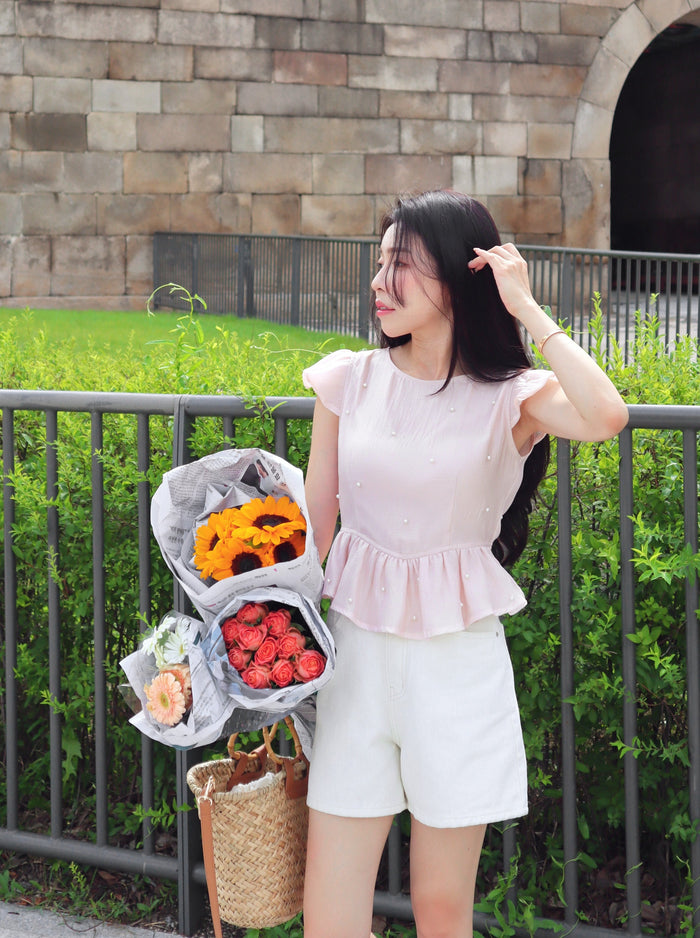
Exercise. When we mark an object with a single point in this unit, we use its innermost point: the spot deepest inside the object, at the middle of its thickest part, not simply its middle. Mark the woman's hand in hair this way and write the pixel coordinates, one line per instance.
(510, 272)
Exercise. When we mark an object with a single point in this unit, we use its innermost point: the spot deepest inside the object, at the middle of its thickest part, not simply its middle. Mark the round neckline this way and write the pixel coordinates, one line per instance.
(405, 374)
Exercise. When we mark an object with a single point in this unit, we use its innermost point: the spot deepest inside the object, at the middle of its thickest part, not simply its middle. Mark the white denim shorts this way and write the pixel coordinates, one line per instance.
(430, 725)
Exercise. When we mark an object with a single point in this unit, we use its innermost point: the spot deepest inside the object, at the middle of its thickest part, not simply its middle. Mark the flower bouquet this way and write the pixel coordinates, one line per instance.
(269, 649)
(232, 521)
(177, 701)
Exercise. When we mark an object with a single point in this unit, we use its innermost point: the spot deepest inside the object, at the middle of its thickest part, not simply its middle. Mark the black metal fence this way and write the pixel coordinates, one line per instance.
(324, 283)
(182, 414)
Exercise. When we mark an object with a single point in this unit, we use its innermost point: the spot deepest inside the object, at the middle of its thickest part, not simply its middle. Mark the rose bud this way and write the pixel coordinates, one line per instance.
(291, 643)
(251, 637)
(277, 622)
(252, 613)
(239, 658)
(282, 673)
(229, 629)
(308, 665)
(267, 652)
(256, 676)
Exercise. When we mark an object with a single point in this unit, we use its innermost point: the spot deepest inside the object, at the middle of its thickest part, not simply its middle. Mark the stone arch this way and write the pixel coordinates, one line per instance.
(586, 181)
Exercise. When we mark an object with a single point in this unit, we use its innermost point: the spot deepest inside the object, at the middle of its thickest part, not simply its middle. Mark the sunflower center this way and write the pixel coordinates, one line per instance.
(270, 521)
(245, 562)
(284, 552)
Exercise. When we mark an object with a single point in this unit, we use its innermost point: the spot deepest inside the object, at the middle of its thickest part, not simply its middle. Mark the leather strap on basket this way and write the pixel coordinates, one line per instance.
(205, 804)
(296, 769)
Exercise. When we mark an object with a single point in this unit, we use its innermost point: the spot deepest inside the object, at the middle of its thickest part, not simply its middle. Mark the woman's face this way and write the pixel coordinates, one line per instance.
(423, 306)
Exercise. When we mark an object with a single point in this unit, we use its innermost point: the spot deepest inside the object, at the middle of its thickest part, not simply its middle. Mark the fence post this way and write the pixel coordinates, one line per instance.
(364, 322)
(296, 282)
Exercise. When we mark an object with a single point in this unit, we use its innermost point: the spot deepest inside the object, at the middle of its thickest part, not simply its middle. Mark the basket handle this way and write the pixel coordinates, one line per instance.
(297, 768)
(249, 765)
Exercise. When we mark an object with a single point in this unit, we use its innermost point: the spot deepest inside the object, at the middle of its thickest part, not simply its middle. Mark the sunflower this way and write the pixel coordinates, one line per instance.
(231, 557)
(206, 538)
(268, 522)
(290, 549)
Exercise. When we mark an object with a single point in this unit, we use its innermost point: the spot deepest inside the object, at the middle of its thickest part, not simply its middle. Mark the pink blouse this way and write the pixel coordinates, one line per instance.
(424, 479)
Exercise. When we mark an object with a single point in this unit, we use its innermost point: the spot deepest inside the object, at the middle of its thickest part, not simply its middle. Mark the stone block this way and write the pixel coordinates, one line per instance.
(339, 11)
(495, 175)
(348, 102)
(5, 131)
(88, 266)
(27, 171)
(452, 14)
(72, 21)
(65, 58)
(111, 131)
(277, 34)
(474, 77)
(312, 68)
(566, 50)
(6, 244)
(540, 177)
(586, 200)
(139, 265)
(184, 28)
(31, 266)
(549, 141)
(276, 214)
(440, 136)
(502, 15)
(16, 92)
(206, 172)
(198, 97)
(629, 36)
(393, 74)
(460, 107)
(267, 172)
(360, 38)
(261, 98)
(479, 46)
(203, 6)
(62, 95)
(136, 61)
(547, 80)
(129, 97)
(92, 172)
(8, 26)
(66, 132)
(592, 132)
(289, 8)
(425, 42)
(416, 105)
(605, 80)
(521, 108)
(132, 214)
(403, 173)
(247, 134)
(54, 213)
(463, 174)
(150, 173)
(330, 135)
(538, 17)
(237, 64)
(505, 138)
(661, 15)
(190, 132)
(541, 215)
(515, 47)
(226, 212)
(339, 215)
(10, 56)
(578, 19)
(10, 214)
(337, 173)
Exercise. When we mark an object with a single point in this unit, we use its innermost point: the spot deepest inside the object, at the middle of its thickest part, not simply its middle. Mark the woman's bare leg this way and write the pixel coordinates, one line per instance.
(444, 864)
(342, 859)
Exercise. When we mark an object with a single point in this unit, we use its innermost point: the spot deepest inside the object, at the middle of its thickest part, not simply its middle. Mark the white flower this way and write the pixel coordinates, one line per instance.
(166, 642)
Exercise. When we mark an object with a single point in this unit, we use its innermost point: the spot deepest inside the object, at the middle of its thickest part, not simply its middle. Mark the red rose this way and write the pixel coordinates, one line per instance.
(277, 622)
(238, 657)
(282, 672)
(252, 613)
(256, 676)
(291, 643)
(267, 652)
(251, 637)
(308, 665)
(229, 629)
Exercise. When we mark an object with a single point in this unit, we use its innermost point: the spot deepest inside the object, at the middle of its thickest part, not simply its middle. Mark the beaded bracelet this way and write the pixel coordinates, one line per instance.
(541, 344)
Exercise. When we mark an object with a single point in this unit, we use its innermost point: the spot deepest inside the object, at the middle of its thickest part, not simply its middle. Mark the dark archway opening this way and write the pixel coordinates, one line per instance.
(655, 148)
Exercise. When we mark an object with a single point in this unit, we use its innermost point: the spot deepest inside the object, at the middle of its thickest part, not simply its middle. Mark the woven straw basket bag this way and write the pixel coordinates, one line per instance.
(254, 818)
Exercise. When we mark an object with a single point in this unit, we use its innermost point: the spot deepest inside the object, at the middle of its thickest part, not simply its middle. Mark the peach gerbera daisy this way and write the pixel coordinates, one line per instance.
(165, 700)
(268, 522)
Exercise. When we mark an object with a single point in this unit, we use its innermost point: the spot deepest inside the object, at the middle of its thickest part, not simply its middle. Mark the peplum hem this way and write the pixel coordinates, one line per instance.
(417, 596)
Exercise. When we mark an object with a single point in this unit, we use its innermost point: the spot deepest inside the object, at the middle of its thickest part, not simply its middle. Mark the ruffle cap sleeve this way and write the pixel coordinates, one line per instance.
(526, 385)
(327, 378)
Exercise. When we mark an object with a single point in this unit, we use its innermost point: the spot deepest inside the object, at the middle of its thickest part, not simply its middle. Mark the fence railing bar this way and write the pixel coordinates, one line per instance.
(99, 629)
(629, 677)
(11, 734)
(54, 624)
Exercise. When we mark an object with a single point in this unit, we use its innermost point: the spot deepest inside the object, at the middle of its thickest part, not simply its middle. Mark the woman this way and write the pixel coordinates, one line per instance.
(432, 446)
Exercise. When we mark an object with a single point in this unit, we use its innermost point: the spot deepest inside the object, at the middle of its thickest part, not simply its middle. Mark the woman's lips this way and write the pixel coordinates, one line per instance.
(382, 310)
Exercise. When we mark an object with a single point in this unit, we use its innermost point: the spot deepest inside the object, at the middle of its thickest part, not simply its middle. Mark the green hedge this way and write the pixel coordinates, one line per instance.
(265, 366)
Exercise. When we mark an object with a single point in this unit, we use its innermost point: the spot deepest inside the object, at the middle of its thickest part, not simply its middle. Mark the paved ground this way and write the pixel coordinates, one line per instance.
(21, 922)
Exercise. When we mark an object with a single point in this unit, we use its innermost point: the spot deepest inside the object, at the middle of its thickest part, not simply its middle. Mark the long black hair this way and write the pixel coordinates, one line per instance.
(487, 342)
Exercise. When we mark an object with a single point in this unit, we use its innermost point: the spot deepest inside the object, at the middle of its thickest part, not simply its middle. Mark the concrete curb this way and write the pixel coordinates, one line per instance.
(19, 921)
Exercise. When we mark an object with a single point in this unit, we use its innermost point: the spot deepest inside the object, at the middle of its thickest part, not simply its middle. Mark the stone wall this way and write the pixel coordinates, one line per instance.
(295, 116)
